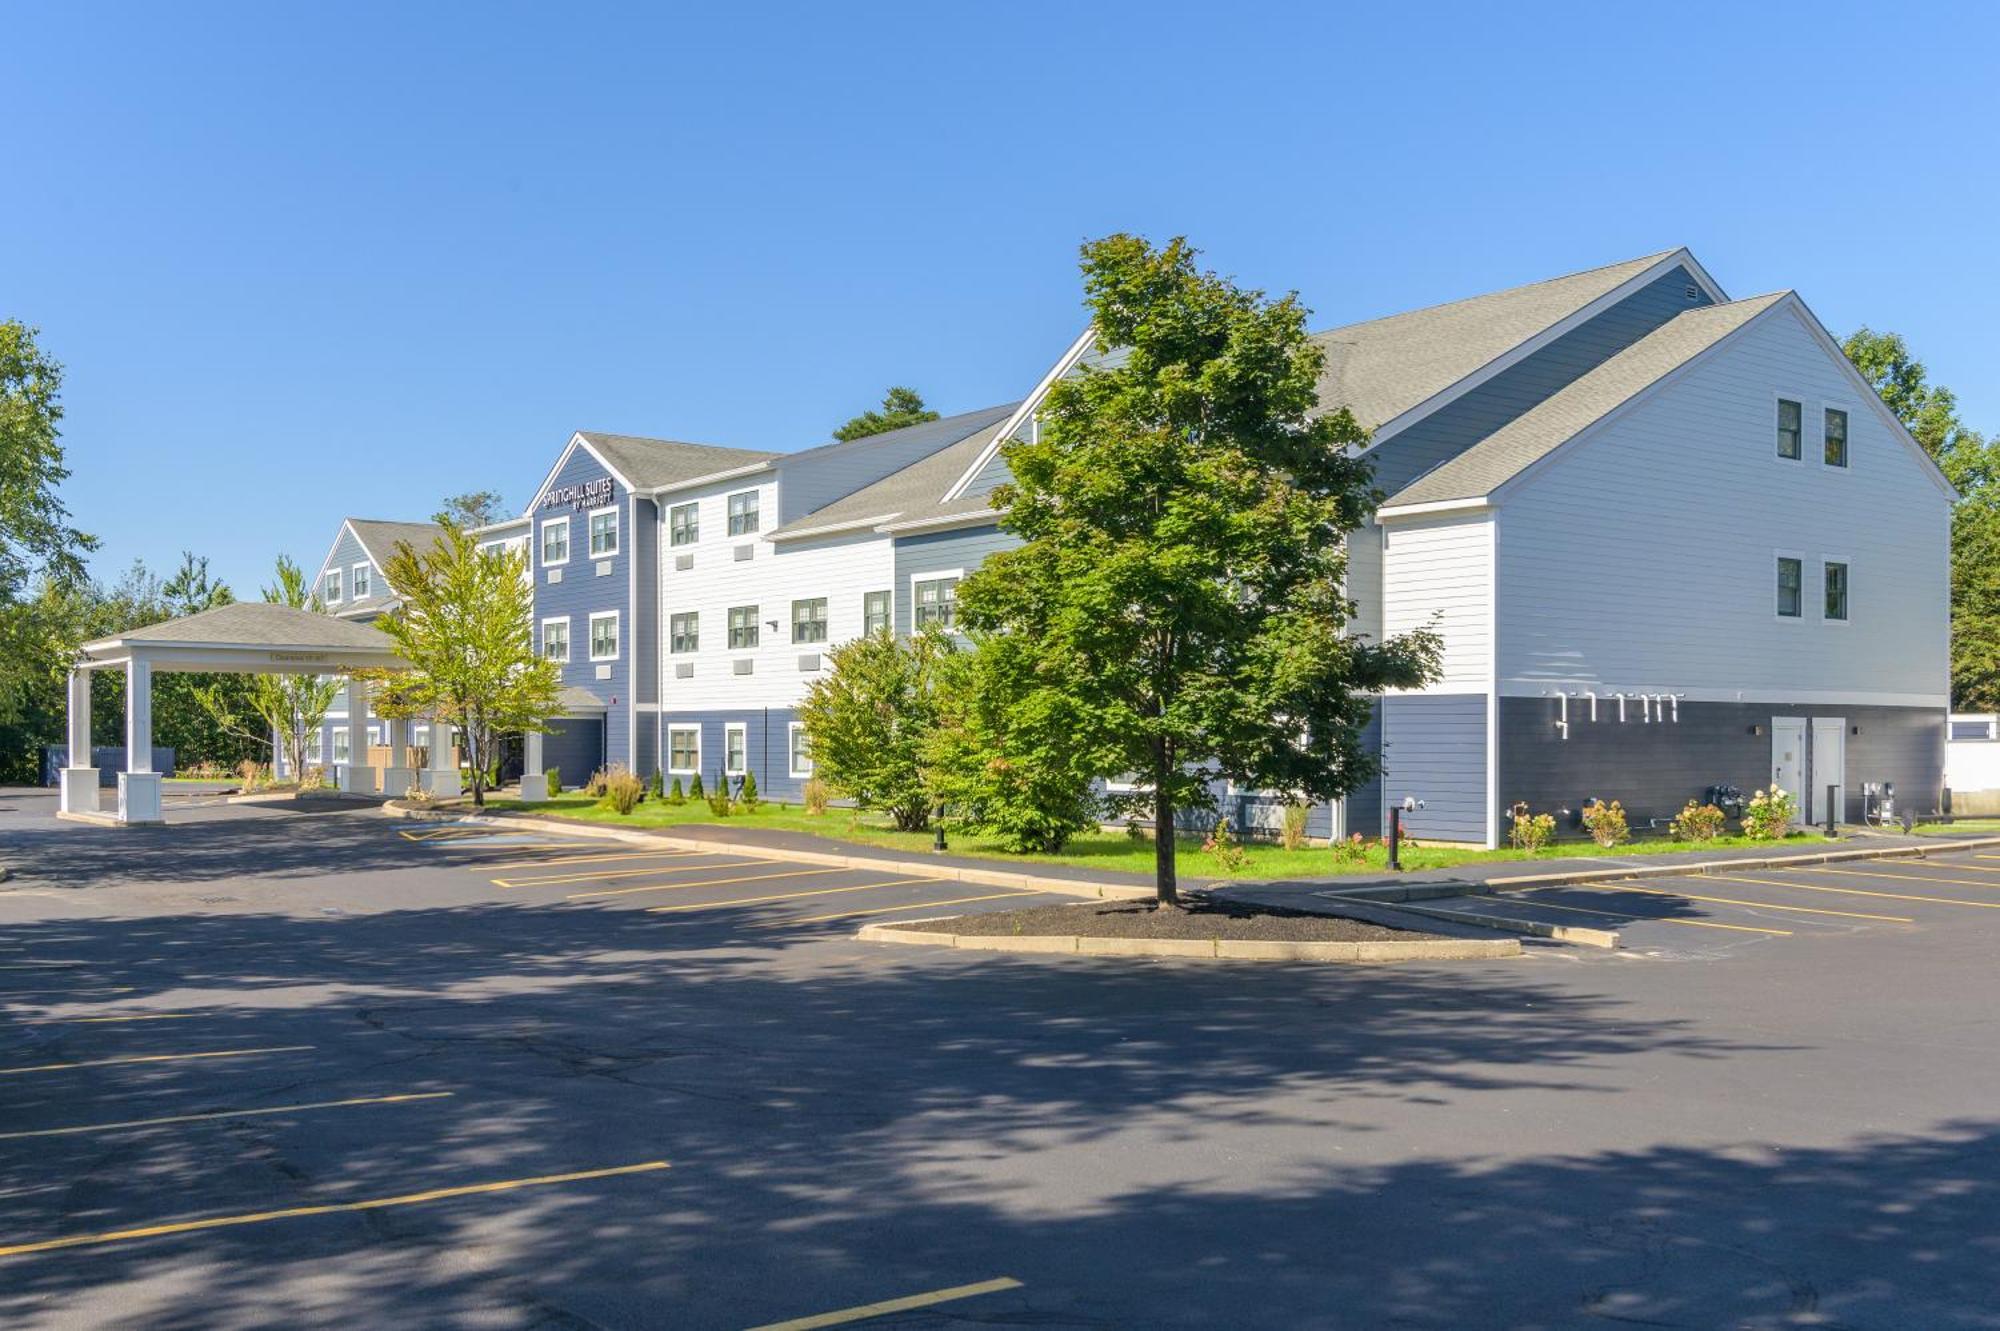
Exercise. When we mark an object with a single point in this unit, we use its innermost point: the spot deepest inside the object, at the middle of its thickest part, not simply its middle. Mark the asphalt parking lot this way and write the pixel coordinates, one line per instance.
(269, 1067)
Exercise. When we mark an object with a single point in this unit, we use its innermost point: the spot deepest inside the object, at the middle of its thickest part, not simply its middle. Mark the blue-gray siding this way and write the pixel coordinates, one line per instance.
(941, 552)
(767, 740)
(993, 473)
(1434, 750)
(583, 592)
(644, 517)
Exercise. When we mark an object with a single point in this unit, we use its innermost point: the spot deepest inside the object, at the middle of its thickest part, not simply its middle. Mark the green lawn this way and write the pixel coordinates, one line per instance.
(1960, 827)
(1113, 851)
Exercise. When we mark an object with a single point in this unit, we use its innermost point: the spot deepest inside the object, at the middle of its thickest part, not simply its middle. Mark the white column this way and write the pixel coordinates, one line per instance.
(398, 776)
(441, 777)
(138, 784)
(534, 781)
(79, 774)
(357, 777)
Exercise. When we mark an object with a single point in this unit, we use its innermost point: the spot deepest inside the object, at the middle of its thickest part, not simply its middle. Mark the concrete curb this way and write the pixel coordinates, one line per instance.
(1519, 882)
(1204, 949)
(950, 873)
(1560, 933)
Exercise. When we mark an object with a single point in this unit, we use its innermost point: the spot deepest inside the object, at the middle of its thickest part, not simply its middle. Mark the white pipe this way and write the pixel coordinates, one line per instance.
(1592, 695)
(1562, 714)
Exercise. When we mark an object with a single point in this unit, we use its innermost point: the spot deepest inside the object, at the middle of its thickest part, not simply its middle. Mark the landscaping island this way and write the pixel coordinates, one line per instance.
(1202, 918)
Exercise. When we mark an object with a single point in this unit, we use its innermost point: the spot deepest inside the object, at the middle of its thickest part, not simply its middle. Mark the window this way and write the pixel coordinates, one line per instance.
(341, 751)
(1836, 438)
(1836, 590)
(603, 533)
(604, 636)
(684, 524)
(684, 632)
(1790, 581)
(683, 748)
(937, 601)
(743, 513)
(555, 639)
(359, 580)
(555, 541)
(809, 620)
(331, 592)
(735, 749)
(802, 763)
(376, 738)
(1791, 424)
(742, 627)
(875, 612)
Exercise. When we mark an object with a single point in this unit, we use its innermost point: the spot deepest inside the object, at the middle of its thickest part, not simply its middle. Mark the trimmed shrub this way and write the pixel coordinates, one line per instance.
(1606, 823)
(1531, 831)
(746, 790)
(695, 792)
(554, 777)
(657, 787)
(1697, 822)
(1293, 834)
(815, 795)
(674, 793)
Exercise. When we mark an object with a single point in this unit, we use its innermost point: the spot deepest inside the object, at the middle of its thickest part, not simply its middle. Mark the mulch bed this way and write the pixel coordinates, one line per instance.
(1201, 919)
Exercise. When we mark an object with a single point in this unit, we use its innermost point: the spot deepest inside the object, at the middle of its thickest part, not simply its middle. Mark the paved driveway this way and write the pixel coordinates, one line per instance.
(276, 1068)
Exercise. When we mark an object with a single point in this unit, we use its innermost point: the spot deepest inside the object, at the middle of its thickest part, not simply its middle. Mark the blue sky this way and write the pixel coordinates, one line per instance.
(309, 261)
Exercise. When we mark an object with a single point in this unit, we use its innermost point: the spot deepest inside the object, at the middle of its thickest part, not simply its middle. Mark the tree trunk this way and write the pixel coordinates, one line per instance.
(1166, 887)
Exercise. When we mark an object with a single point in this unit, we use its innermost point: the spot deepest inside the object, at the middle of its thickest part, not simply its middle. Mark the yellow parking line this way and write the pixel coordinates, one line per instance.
(328, 1208)
(446, 833)
(558, 879)
(884, 910)
(154, 1058)
(1856, 892)
(699, 882)
(95, 1021)
(1653, 919)
(1759, 905)
(580, 859)
(509, 848)
(905, 1304)
(783, 896)
(1907, 877)
(228, 1113)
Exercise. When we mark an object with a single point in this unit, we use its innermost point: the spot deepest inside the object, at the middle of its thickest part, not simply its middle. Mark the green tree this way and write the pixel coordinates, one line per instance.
(1183, 516)
(291, 707)
(900, 407)
(474, 508)
(869, 718)
(462, 627)
(181, 720)
(34, 525)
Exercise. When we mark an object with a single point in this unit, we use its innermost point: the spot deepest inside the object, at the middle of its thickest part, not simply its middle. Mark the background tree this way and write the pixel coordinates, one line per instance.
(291, 707)
(463, 628)
(474, 508)
(900, 407)
(1970, 462)
(869, 719)
(1183, 517)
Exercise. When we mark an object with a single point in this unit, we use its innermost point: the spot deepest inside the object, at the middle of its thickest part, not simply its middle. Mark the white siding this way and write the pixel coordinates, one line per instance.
(1438, 573)
(1644, 557)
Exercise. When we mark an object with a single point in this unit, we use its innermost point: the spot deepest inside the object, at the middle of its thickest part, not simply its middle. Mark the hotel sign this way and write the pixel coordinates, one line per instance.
(591, 494)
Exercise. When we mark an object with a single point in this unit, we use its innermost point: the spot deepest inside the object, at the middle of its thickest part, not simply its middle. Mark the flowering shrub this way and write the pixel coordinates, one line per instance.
(1531, 830)
(1769, 814)
(1354, 850)
(1222, 844)
(1697, 822)
(1606, 823)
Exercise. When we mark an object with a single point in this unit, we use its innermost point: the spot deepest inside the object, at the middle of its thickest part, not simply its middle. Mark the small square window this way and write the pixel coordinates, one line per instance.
(684, 632)
(604, 533)
(742, 627)
(555, 640)
(1836, 591)
(1836, 438)
(937, 602)
(809, 620)
(683, 524)
(1791, 582)
(555, 541)
(875, 610)
(1791, 426)
(743, 513)
(683, 749)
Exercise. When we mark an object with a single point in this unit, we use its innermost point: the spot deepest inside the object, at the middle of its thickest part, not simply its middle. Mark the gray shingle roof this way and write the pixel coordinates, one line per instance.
(918, 489)
(1539, 431)
(260, 624)
(1382, 368)
(379, 538)
(651, 462)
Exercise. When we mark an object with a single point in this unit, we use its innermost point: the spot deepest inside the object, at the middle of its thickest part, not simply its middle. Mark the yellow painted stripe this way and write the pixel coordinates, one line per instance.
(783, 896)
(1732, 901)
(561, 860)
(1652, 919)
(1855, 892)
(1906, 877)
(867, 1310)
(884, 910)
(558, 880)
(699, 882)
(154, 1058)
(228, 1113)
(97, 1021)
(510, 847)
(328, 1208)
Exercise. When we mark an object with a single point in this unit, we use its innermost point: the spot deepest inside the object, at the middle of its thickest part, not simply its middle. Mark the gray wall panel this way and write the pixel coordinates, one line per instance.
(1434, 750)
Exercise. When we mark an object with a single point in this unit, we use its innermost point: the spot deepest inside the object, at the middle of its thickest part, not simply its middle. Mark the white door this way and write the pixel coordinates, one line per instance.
(1829, 766)
(1788, 755)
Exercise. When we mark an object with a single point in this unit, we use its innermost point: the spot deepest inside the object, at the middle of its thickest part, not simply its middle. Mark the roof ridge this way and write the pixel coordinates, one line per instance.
(1642, 261)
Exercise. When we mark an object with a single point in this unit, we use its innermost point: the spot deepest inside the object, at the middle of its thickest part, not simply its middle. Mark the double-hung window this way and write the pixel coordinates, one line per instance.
(683, 524)
(1791, 587)
(555, 639)
(937, 602)
(1791, 429)
(802, 763)
(683, 749)
(341, 752)
(743, 513)
(1836, 437)
(358, 578)
(604, 533)
(604, 636)
(742, 627)
(1835, 576)
(875, 609)
(809, 620)
(684, 632)
(735, 749)
(555, 541)
(330, 589)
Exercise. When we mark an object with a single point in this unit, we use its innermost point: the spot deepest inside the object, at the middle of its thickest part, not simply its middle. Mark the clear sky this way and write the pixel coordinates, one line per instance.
(304, 261)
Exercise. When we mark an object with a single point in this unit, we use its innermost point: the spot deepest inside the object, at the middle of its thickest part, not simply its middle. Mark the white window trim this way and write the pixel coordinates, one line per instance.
(542, 544)
(617, 634)
(757, 494)
(792, 734)
(340, 734)
(826, 624)
(672, 544)
(615, 538)
(889, 620)
(569, 642)
(933, 575)
(735, 728)
(1844, 561)
(1850, 411)
(334, 597)
(683, 730)
(756, 627)
(1804, 564)
(363, 567)
(672, 615)
(1805, 402)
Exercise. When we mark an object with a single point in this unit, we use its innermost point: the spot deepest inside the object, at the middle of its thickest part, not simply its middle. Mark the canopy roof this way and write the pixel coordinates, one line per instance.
(251, 637)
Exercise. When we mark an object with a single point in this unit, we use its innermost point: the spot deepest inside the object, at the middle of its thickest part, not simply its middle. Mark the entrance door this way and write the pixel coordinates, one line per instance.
(1788, 754)
(1829, 766)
